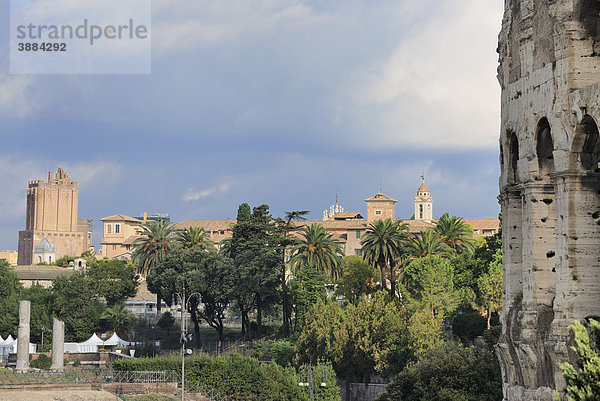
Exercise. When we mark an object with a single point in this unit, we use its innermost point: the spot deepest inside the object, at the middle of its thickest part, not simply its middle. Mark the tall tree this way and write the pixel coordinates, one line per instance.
(429, 282)
(490, 288)
(383, 245)
(151, 248)
(318, 249)
(286, 243)
(194, 237)
(455, 233)
(427, 243)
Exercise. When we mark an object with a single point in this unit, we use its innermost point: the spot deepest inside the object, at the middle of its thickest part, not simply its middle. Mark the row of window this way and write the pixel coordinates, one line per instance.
(108, 228)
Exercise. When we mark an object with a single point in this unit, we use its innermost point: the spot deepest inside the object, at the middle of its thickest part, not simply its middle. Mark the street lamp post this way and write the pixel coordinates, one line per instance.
(43, 329)
(307, 374)
(184, 302)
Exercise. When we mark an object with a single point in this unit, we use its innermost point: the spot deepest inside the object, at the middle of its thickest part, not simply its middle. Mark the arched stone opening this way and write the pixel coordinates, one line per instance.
(586, 145)
(544, 149)
(513, 158)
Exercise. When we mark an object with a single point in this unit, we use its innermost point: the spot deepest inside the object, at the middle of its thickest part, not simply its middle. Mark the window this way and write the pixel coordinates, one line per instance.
(117, 228)
(420, 211)
(357, 234)
(114, 247)
(377, 212)
(108, 228)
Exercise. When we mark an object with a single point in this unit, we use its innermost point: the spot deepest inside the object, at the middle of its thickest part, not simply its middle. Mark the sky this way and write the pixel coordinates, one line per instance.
(286, 103)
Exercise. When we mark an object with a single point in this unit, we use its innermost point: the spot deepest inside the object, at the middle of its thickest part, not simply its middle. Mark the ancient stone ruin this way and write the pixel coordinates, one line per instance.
(549, 187)
(23, 336)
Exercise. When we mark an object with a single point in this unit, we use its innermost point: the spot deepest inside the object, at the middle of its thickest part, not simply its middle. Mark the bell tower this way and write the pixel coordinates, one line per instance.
(423, 203)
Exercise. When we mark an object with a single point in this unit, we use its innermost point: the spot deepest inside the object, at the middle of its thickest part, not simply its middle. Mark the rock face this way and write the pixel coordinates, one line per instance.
(549, 186)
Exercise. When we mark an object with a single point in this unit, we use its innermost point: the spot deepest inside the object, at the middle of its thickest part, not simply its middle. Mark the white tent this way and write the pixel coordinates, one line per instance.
(116, 340)
(9, 346)
(6, 346)
(2, 339)
(91, 344)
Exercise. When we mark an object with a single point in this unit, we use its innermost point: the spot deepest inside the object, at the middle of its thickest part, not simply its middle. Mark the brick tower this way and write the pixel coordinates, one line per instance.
(52, 214)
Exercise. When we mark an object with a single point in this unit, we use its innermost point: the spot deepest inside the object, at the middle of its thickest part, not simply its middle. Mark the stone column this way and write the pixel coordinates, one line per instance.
(23, 336)
(58, 346)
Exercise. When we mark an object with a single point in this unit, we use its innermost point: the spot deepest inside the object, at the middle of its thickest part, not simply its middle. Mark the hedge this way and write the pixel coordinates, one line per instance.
(240, 377)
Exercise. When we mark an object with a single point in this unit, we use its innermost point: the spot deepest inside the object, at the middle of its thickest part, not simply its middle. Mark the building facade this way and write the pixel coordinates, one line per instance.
(549, 74)
(52, 213)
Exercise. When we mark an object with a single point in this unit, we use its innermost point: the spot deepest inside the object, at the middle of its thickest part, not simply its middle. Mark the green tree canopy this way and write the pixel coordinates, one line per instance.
(358, 279)
(114, 280)
(428, 243)
(318, 249)
(583, 377)
(384, 245)
(449, 372)
(455, 233)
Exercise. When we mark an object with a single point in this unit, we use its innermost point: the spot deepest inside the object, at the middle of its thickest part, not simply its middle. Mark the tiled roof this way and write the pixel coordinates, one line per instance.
(45, 274)
(484, 224)
(380, 197)
(348, 215)
(121, 217)
(207, 224)
(423, 187)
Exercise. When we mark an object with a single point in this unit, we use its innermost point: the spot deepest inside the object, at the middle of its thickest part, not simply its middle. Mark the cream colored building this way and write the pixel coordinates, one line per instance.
(118, 234)
(52, 213)
(10, 256)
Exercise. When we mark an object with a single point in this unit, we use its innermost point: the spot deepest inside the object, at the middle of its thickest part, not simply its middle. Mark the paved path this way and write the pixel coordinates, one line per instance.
(57, 395)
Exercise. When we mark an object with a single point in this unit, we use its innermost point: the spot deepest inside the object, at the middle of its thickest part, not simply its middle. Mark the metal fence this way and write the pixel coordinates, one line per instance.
(205, 391)
(84, 376)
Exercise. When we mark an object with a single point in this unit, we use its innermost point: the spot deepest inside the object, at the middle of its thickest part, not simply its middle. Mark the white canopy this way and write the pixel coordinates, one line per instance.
(116, 340)
(9, 339)
(9, 346)
(90, 345)
(1, 339)
(93, 340)
(6, 346)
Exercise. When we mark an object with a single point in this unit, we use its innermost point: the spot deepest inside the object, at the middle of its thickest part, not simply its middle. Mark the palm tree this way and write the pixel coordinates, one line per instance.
(456, 233)
(118, 318)
(151, 248)
(427, 243)
(318, 249)
(194, 237)
(383, 246)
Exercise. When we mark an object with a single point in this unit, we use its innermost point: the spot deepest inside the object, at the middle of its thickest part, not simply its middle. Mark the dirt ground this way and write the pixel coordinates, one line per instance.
(57, 395)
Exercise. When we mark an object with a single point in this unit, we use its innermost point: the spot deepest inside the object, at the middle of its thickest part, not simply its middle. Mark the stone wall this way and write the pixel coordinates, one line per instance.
(549, 186)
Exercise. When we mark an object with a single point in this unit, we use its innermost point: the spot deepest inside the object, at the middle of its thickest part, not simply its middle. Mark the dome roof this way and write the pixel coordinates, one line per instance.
(44, 246)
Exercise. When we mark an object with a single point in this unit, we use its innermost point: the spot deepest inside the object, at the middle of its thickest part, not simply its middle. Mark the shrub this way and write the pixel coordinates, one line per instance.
(42, 362)
(239, 377)
(279, 351)
(449, 372)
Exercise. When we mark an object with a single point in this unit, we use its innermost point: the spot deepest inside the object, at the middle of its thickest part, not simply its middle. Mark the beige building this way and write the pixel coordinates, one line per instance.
(380, 206)
(346, 227)
(52, 209)
(118, 233)
(10, 256)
